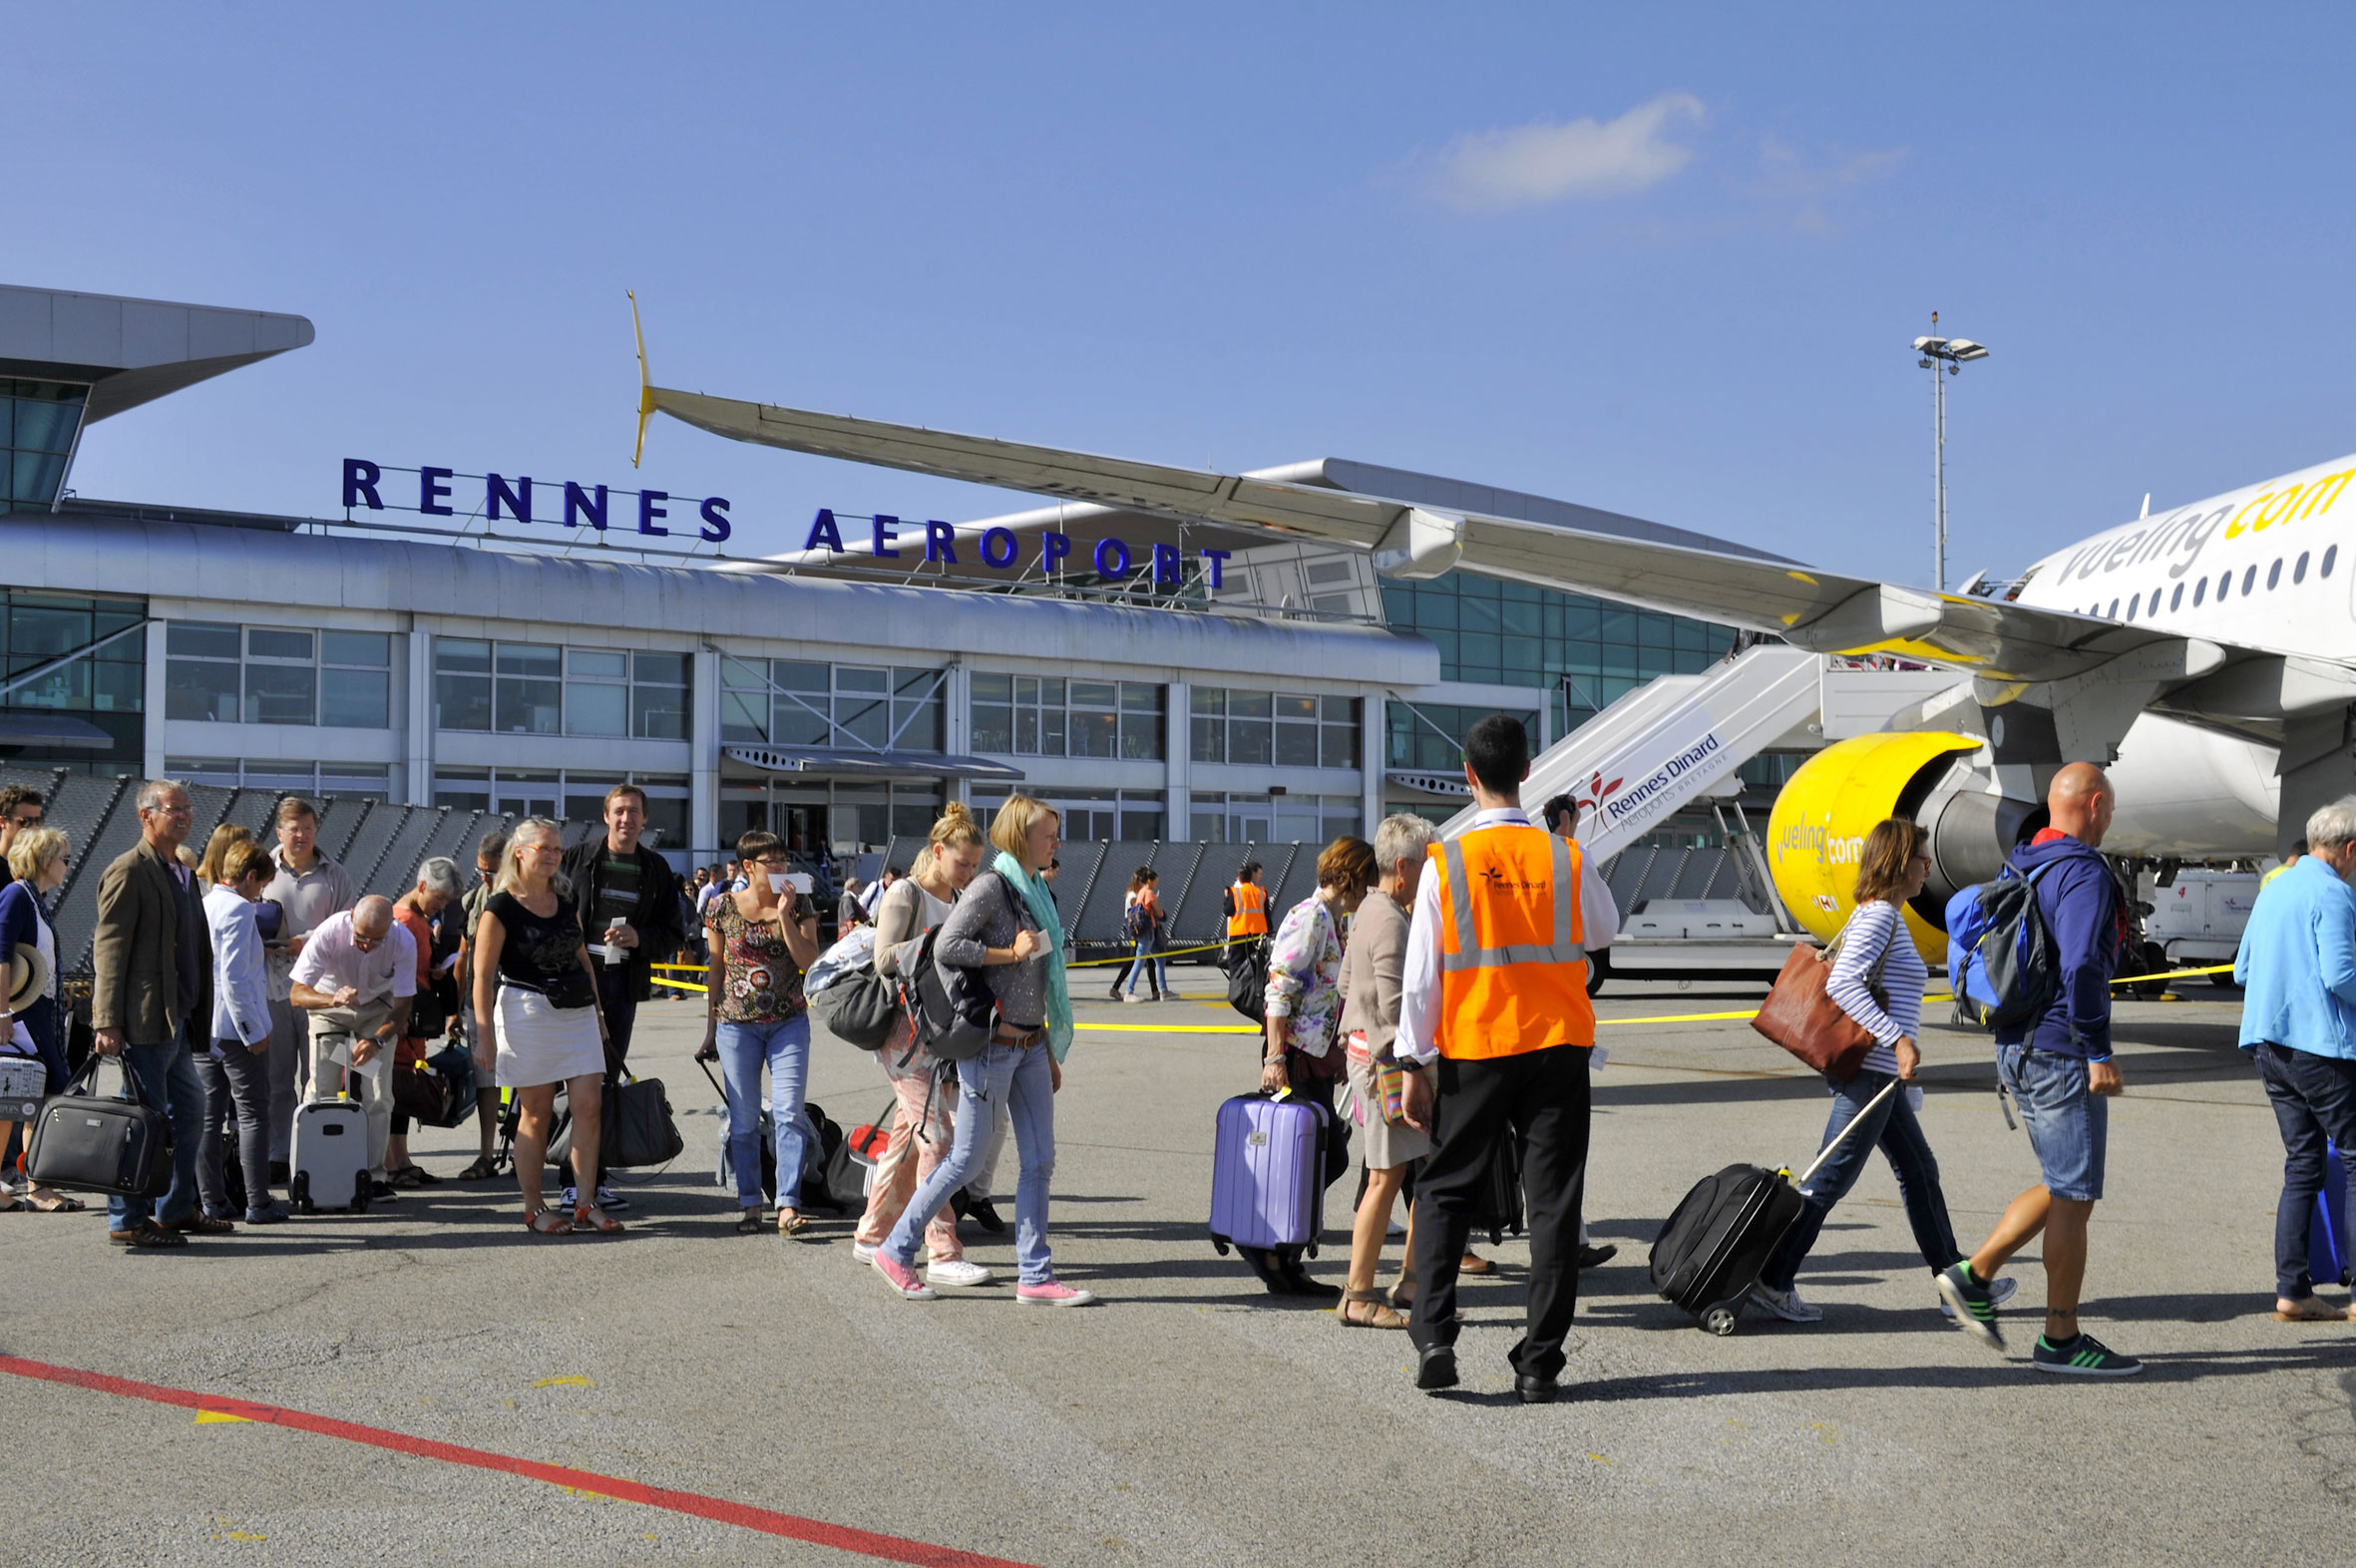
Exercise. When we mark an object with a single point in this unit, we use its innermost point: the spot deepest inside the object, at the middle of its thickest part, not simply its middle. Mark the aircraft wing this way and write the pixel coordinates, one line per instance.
(1824, 612)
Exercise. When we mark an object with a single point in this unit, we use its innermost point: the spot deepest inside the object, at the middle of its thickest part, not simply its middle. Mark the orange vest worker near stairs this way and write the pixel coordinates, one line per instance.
(1494, 1008)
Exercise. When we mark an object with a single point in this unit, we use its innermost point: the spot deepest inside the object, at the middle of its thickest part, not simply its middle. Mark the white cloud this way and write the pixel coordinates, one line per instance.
(1531, 165)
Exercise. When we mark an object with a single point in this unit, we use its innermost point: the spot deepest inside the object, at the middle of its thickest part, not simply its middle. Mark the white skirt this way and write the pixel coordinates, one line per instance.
(541, 1044)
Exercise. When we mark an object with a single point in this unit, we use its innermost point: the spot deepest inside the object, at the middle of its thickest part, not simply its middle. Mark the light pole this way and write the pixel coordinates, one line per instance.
(1953, 353)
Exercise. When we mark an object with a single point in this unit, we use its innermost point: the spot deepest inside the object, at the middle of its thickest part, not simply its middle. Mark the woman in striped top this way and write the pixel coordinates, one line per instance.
(1877, 980)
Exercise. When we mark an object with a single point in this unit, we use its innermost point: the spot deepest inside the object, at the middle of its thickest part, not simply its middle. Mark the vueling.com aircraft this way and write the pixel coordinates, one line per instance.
(2207, 653)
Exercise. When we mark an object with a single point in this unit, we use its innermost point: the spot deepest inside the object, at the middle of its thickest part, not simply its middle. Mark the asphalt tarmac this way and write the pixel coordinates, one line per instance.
(1191, 1418)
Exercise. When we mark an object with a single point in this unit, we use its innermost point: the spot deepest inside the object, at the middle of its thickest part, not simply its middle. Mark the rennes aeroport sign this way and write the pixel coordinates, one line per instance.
(573, 505)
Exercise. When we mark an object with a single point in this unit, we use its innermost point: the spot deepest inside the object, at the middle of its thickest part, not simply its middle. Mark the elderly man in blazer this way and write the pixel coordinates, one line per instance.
(152, 998)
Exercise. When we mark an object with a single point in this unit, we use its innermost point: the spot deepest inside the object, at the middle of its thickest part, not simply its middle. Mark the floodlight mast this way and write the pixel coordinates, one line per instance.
(1953, 353)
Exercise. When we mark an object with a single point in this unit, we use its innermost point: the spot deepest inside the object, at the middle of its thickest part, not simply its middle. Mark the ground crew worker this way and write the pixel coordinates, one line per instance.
(1493, 1008)
(1246, 905)
(1561, 816)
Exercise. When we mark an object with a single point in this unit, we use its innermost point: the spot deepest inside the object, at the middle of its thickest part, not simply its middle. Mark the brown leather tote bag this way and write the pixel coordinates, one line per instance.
(1806, 1021)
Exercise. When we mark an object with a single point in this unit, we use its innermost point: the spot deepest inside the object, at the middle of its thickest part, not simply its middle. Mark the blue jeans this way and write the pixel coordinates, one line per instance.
(1018, 1079)
(2314, 1099)
(1159, 977)
(785, 1046)
(167, 1083)
(1894, 1127)
(2069, 1124)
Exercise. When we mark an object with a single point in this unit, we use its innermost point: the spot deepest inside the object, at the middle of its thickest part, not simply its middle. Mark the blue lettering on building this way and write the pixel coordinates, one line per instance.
(585, 505)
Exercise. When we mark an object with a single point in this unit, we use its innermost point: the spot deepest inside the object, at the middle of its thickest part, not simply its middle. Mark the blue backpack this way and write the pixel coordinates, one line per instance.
(2000, 956)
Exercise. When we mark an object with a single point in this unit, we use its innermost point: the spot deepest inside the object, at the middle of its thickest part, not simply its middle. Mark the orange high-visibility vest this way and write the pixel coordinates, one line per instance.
(1251, 911)
(1512, 952)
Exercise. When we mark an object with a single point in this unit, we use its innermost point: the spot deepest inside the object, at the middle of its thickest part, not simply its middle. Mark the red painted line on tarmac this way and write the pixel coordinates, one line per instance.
(842, 1538)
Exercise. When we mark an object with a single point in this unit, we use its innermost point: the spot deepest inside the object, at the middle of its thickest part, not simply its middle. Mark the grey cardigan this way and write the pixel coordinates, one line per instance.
(1372, 967)
(987, 914)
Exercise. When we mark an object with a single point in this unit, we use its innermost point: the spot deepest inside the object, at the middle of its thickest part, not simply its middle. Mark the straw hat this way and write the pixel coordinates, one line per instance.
(28, 976)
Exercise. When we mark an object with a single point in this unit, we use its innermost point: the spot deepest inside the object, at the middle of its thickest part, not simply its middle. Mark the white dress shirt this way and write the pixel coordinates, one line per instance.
(1418, 1001)
(330, 961)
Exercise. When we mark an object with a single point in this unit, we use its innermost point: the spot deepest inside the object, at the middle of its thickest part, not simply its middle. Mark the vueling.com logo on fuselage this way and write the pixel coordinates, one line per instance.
(1827, 848)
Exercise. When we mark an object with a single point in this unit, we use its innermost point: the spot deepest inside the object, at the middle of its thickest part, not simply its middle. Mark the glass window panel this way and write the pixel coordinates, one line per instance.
(461, 703)
(201, 639)
(1051, 692)
(1338, 744)
(1479, 615)
(1250, 740)
(1026, 732)
(793, 677)
(527, 708)
(736, 673)
(865, 720)
(199, 690)
(1248, 704)
(536, 660)
(1140, 823)
(1141, 737)
(596, 664)
(918, 726)
(1095, 734)
(1339, 710)
(993, 727)
(1138, 696)
(117, 688)
(851, 677)
(45, 631)
(369, 649)
(262, 643)
(1209, 740)
(595, 710)
(658, 713)
(915, 684)
(281, 694)
(659, 669)
(1094, 694)
(1524, 619)
(36, 476)
(743, 716)
(1290, 707)
(459, 657)
(1208, 699)
(358, 698)
(793, 724)
(994, 689)
(1295, 746)
(1483, 651)
(1052, 729)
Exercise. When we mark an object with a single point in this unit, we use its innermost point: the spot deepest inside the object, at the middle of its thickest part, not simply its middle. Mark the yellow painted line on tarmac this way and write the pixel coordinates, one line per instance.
(570, 1381)
(216, 1417)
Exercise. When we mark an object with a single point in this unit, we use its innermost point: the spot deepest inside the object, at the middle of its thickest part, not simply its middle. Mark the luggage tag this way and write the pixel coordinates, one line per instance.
(1598, 1057)
(1914, 1099)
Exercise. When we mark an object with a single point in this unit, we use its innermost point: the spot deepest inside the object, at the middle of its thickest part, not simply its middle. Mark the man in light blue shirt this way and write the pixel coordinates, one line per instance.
(2298, 1022)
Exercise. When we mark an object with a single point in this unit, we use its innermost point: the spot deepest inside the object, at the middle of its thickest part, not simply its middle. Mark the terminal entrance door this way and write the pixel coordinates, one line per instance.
(803, 827)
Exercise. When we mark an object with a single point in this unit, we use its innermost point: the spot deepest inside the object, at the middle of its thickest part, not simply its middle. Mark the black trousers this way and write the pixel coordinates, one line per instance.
(1540, 1097)
(617, 998)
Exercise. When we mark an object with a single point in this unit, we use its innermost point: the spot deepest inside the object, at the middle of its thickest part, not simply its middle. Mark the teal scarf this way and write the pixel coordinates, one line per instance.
(1043, 909)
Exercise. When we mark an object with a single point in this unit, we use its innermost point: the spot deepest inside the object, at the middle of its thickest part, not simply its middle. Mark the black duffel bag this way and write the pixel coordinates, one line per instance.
(86, 1143)
(862, 1008)
(638, 1127)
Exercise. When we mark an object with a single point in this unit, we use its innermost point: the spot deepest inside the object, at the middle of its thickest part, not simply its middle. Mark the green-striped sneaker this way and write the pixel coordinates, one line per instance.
(2084, 1357)
(1972, 1303)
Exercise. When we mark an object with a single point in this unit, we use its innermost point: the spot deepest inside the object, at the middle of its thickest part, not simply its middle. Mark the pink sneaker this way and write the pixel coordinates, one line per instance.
(1051, 1295)
(902, 1278)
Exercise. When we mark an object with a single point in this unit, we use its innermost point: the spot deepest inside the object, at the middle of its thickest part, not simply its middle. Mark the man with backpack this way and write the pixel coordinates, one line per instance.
(2054, 1061)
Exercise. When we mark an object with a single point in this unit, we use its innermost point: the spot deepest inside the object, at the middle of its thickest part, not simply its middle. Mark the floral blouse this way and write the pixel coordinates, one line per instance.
(760, 982)
(1305, 974)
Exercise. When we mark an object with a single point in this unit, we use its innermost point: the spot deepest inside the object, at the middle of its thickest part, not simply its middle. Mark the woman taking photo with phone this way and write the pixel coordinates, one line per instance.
(761, 940)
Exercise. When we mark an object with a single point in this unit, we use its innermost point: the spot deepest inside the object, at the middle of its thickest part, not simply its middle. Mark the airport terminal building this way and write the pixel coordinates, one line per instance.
(418, 654)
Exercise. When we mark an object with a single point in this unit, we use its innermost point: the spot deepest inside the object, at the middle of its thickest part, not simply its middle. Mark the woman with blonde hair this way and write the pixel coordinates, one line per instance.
(924, 1120)
(536, 998)
(1006, 925)
(211, 870)
(37, 867)
(1877, 980)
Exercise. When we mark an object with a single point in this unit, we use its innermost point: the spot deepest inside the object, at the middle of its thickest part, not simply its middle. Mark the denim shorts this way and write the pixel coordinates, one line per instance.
(2069, 1124)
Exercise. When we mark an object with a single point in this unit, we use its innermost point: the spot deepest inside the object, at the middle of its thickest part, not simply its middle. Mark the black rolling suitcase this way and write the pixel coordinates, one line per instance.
(1718, 1240)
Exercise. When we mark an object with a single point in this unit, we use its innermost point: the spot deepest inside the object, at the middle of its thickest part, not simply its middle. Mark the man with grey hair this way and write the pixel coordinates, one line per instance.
(2298, 1024)
(309, 886)
(150, 1004)
(357, 978)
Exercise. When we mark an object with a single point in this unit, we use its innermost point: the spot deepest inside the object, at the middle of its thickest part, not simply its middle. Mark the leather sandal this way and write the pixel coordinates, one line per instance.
(749, 1224)
(588, 1217)
(1377, 1312)
(483, 1169)
(1403, 1295)
(793, 1224)
(548, 1222)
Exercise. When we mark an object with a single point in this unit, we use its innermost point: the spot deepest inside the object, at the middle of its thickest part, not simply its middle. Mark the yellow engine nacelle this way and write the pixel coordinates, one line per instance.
(1819, 823)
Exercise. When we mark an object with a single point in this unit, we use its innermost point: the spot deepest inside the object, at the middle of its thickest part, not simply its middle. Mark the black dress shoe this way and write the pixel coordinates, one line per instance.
(978, 1209)
(1435, 1368)
(1535, 1391)
(1597, 1257)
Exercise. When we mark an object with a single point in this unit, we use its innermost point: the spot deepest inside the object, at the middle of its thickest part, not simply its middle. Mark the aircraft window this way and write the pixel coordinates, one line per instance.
(2176, 601)
(2298, 573)
(2200, 592)
(2156, 601)
(2273, 573)
(2113, 610)
(2249, 580)
(2224, 586)
(2134, 605)
(2329, 557)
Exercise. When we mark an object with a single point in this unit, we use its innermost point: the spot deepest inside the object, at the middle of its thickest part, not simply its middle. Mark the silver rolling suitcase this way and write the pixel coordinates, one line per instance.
(330, 1165)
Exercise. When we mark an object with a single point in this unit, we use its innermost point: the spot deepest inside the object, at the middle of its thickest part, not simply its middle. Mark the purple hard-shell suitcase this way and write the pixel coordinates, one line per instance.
(1268, 1173)
(2329, 1257)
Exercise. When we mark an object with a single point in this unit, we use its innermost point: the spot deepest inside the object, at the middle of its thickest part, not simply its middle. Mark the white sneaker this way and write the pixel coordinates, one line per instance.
(1786, 1305)
(1999, 1291)
(862, 1253)
(570, 1200)
(958, 1272)
(1132, 997)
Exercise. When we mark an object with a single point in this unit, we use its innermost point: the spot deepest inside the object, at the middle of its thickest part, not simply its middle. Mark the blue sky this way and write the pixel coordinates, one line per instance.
(1661, 259)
